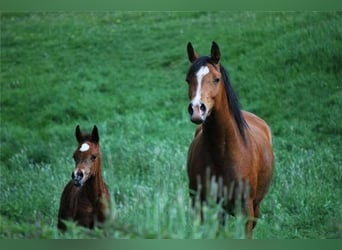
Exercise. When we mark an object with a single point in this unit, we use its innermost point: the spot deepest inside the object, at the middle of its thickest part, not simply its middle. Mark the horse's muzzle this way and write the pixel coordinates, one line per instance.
(197, 112)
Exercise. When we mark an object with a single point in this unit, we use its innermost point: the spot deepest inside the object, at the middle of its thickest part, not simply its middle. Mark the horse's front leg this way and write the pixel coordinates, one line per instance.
(250, 219)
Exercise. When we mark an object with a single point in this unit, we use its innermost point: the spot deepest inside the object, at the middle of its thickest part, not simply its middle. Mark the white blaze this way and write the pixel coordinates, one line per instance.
(84, 147)
(199, 75)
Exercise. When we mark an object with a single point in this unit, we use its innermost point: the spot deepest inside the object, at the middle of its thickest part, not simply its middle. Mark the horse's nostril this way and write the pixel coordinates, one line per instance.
(190, 109)
(203, 108)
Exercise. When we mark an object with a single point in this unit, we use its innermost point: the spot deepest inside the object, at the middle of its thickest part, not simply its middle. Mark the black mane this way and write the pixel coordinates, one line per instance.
(233, 101)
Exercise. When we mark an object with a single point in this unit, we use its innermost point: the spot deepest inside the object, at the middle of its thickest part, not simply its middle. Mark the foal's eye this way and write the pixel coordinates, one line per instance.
(217, 80)
(93, 157)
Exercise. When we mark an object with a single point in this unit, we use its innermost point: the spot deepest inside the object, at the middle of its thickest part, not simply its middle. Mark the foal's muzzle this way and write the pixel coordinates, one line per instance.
(77, 178)
(198, 112)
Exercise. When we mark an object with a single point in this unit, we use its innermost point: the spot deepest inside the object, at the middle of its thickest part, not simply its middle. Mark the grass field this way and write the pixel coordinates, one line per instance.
(124, 72)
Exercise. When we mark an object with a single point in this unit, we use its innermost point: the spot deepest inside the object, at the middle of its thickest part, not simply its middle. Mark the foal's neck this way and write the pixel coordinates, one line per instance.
(94, 186)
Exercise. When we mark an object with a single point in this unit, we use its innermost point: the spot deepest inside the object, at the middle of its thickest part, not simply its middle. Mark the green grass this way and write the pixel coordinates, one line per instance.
(124, 72)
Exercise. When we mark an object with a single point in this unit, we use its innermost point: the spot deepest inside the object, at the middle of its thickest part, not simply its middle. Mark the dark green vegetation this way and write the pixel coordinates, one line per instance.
(125, 72)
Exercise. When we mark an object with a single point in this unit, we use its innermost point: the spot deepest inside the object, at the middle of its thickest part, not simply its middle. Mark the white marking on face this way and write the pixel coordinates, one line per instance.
(199, 75)
(84, 147)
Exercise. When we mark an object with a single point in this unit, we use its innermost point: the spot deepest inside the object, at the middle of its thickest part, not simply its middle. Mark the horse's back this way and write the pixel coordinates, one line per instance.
(261, 138)
(258, 126)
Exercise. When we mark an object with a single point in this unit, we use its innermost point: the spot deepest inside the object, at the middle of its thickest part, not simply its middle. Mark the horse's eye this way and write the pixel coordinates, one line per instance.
(93, 157)
(217, 80)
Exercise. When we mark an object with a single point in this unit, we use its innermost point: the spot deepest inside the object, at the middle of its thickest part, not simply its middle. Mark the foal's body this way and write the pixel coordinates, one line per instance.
(85, 205)
(85, 198)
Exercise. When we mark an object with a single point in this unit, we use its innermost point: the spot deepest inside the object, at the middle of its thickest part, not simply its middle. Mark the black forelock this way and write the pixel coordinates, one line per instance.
(87, 137)
(200, 62)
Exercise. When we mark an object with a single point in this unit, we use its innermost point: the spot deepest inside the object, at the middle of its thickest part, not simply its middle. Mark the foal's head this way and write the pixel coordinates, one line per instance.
(205, 80)
(86, 156)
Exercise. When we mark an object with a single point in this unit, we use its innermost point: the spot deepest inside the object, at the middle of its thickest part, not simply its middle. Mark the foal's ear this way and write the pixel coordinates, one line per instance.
(95, 135)
(192, 55)
(215, 53)
(78, 134)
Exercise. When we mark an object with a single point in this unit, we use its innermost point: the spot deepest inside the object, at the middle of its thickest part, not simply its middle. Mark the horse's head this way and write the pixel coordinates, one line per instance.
(86, 156)
(205, 80)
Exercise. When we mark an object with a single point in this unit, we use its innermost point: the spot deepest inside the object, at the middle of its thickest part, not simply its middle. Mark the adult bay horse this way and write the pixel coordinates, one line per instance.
(85, 198)
(234, 145)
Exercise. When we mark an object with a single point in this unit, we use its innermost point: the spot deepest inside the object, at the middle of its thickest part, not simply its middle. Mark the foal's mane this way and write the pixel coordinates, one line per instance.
(233, 101)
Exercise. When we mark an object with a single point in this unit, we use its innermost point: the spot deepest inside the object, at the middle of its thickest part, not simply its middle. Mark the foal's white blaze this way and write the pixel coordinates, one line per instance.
(199, 75)
(84, 147)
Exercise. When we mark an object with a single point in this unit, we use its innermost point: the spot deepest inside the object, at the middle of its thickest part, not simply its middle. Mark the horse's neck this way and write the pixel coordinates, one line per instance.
(222, 133)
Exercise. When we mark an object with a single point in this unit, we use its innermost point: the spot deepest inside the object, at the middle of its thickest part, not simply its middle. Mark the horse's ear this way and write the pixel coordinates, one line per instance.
(78, 134)
(215, 53)
(192, 55)
(95, 135)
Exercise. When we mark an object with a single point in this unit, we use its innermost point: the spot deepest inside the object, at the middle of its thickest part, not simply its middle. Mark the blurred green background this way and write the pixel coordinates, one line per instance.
(125, 72)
